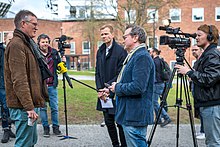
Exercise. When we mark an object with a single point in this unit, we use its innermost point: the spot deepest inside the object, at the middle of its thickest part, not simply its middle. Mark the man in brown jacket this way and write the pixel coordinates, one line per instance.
(24, 82)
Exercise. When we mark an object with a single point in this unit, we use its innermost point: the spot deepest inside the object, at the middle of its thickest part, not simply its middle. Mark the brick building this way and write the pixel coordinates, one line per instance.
(187, 15)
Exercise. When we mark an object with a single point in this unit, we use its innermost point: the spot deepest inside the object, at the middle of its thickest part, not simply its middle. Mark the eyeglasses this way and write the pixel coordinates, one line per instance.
(125, 36)
(33, 23)
(194, 50)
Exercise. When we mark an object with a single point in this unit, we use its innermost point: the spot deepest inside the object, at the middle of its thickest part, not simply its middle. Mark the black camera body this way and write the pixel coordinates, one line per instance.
(62, 45)
(182, 41)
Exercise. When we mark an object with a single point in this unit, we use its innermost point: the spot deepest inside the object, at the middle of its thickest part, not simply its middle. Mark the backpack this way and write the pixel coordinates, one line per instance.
(166, 71)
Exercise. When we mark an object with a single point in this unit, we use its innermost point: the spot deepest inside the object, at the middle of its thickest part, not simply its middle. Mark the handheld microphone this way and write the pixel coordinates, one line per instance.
(62, 69)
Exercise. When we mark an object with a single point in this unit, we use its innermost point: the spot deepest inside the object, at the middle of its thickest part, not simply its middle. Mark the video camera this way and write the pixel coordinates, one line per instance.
(62, 43)
(182, 40)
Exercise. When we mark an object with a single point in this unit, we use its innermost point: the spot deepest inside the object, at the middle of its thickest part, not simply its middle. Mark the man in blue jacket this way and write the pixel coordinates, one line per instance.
(134, 88)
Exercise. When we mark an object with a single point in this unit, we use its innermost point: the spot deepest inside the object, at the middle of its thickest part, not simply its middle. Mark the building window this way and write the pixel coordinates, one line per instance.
(99, 43)
(82, 13)
(172, 63)
(152, 15)
(86, 47)
(150, 42)
(130, 16)
(5, 33)
(175, 15)
(197, 14)
(72, 48)
(217, 13)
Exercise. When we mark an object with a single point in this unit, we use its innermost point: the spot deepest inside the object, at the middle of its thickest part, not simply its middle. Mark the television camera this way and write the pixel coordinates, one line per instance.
(180, 39)
(62, 45)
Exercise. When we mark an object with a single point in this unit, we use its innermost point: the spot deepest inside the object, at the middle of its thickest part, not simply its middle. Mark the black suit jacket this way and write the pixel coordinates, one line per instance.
(108, 67)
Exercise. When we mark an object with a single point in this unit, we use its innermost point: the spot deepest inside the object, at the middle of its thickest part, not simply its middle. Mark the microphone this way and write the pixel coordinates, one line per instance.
(62, 69)
(193, 35)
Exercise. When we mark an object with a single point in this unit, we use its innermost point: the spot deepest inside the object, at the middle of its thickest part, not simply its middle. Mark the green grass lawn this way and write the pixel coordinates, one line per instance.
(81, 105)
(83, 72)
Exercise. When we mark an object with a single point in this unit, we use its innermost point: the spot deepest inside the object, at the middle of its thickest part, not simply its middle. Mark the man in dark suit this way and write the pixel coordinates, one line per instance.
(109, 61)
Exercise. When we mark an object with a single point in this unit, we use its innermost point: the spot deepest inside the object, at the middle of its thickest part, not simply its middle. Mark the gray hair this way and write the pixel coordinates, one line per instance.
(22, 15)
(139, 31)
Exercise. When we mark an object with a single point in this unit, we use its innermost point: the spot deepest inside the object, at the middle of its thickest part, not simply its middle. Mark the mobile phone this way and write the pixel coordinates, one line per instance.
(106, 85)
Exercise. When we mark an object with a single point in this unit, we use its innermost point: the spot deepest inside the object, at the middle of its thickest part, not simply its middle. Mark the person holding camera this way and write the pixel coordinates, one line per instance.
(206, 81)
(109, 59)
(25, 86)
(159, 86)
(53, 59)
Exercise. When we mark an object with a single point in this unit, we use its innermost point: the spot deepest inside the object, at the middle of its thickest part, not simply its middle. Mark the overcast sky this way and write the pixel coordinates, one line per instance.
(38, 7)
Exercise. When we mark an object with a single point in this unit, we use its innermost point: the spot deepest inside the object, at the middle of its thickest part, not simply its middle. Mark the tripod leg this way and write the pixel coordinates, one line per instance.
(164, 97)
(189, 108)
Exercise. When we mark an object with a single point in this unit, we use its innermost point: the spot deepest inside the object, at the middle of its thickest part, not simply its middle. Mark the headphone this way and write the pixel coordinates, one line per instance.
(44, 36)
(210, 36)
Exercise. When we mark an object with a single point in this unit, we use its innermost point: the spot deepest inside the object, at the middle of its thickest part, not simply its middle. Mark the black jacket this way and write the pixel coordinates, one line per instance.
(108, 67)
(206, 78)
(2, 50)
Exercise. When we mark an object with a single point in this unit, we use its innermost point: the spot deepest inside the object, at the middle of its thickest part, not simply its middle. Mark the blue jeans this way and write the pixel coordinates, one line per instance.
(135, 136)
(211, 123)
(158, 90)
(4, 108)
(26, 136)
(53, 106)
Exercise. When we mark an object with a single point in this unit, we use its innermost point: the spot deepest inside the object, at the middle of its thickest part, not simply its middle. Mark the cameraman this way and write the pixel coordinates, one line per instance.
(206, 80)
(52, 58)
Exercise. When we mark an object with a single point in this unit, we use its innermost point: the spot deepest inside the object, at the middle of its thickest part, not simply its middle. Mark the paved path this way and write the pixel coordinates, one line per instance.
(96, 136)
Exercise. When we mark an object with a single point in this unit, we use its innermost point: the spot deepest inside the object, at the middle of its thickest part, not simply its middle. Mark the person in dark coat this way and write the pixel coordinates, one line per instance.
(109, 60)
(206, 82)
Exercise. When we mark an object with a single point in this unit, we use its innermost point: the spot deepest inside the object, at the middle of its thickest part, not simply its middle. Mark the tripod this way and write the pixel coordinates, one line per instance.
(65, 108)
(183, 89)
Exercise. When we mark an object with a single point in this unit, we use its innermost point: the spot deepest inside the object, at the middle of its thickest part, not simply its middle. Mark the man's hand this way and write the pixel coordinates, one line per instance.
(33, 115)
(112, 87)
(182, 69)
(103, 94)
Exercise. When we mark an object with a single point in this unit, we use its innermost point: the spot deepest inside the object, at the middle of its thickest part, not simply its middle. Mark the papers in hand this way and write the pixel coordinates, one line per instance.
(107, 104)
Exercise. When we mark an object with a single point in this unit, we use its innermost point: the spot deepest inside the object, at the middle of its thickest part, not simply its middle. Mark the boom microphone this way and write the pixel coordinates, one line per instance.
(62, 69)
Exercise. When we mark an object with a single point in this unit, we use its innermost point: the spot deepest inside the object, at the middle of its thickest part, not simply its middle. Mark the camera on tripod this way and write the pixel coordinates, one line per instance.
(62, 44)
(180, 39)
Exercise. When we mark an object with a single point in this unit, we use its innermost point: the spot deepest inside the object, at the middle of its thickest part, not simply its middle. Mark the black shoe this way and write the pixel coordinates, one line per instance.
(6, 136)
(47, 131)
(11, 134)
(56, 131)
(166, 122)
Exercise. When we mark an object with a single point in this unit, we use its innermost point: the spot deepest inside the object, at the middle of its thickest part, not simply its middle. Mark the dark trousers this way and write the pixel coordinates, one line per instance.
(112, 130)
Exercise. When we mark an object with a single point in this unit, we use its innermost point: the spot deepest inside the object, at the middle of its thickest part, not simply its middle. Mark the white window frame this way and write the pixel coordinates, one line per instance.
(84, 50)
(1, 37)
(175, 12)
(132, 16)
(148, 41)
(4, 35)
(172, 63)
(72, 47)
(197, 12)
(150, 13)
(217, 13)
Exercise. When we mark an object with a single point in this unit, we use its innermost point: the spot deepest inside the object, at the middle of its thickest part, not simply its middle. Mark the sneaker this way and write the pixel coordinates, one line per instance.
(200, 136)
(102, 124)
(166, 122)
(56, 131)
(6, 136)
(47, 131)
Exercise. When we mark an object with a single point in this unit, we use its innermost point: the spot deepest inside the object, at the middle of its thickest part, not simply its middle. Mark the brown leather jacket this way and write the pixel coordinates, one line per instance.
(23, 83)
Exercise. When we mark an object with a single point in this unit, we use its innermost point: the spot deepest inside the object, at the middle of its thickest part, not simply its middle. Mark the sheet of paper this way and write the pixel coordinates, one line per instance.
(107, 104)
